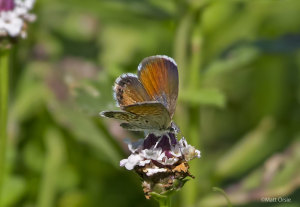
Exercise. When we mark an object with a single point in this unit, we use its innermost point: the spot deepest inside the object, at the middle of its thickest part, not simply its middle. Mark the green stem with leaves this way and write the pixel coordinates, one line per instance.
(4, 90)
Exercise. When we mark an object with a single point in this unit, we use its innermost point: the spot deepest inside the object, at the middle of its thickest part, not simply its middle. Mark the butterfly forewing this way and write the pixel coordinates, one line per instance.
(159, 76)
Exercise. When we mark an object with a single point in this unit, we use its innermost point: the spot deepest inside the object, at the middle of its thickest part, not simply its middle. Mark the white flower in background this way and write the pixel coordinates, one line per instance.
(14, 16)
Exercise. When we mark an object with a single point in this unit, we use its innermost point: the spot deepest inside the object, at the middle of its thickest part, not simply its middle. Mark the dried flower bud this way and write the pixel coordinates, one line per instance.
(161, 161)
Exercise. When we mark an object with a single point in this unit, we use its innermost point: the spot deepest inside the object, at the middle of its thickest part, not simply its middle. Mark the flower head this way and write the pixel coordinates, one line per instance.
(161, 160)
(14, 16)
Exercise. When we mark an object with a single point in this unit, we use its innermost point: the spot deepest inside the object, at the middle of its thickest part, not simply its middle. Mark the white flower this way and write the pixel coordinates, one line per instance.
(152, 171)
(131, 161)
(14, 14)
(156, 153)
(188, 151)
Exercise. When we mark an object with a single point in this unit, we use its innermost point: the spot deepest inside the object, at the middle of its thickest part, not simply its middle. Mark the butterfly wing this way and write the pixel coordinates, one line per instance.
(120, 115)
(154, 112)
(159, 77)
(149, 99)
(142, 116)
(128, 90)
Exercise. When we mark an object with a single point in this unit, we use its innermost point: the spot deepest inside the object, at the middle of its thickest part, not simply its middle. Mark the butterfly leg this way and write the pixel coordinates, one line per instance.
(158, 141)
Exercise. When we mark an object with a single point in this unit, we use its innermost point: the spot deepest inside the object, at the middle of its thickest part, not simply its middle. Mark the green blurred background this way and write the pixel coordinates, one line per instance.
(239, 98)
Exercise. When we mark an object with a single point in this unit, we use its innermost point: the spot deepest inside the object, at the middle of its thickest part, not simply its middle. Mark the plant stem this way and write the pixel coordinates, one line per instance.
(4, 90)
(166, 202)
(181, 45)
(224, 194)
(54, 161)
(163, 200)
(190, 192)
(180, 54)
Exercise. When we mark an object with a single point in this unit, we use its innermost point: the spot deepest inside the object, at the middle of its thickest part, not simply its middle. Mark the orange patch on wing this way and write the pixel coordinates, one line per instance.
(159, 76)
(152, 78)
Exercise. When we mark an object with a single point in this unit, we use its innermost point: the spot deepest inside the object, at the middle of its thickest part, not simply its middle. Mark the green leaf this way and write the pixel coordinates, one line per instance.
(52, 166)
(85, 130)
(224, 194)
(204, 96)
(31, 93)
(277, 177)
(251, 149)
(95, 96)
(14, 189)
(238, 59)
(34, 156)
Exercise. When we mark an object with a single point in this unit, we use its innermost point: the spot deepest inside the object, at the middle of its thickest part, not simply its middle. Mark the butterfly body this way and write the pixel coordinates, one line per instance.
(147, 100)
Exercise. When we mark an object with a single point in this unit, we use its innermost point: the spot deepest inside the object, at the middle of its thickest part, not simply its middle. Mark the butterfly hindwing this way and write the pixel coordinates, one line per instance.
(153, 112)
(142, 116)
(120, 115)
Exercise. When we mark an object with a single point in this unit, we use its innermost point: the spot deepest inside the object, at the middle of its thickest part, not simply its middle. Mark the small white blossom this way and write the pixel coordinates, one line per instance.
(154, 153)
(152, 171)
(131, 161)
(188, 151)
(14, 14)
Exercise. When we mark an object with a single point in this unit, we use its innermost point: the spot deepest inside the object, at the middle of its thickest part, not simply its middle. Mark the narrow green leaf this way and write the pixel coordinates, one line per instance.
(14, 188)
(205, 96)
(54, 160)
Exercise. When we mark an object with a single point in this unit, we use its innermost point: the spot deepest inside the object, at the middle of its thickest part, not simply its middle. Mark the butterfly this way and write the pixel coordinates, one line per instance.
(147, 100)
